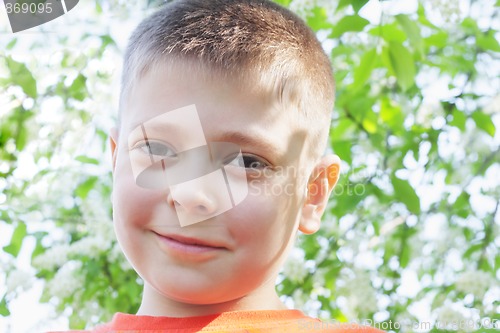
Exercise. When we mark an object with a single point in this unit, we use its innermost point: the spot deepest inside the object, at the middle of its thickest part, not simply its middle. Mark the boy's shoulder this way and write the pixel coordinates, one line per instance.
(268, 321)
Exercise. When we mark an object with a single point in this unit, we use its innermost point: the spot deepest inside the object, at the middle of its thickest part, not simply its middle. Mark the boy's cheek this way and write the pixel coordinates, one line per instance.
(279, 189)
(133, 201)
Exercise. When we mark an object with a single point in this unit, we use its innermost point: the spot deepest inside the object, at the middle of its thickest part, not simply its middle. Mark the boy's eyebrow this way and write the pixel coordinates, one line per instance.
(250, 140)
(157, 127)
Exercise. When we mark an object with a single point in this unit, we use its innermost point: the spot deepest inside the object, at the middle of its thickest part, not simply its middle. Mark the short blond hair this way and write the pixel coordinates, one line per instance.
(234, 38)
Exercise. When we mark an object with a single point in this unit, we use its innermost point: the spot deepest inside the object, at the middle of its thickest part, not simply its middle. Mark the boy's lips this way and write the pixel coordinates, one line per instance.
(190, 242)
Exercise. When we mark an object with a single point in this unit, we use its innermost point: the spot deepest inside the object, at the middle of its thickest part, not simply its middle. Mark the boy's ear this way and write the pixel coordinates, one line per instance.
(113, 142)
(323, 178)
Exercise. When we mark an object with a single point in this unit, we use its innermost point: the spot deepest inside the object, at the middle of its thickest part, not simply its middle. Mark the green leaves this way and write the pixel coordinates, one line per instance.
(391, 114)
(87, 160)
(406, 194)
(4, 309)
(343, 149)
(458, 119)
(413, 32)
(461, 205)
(389, 32)
(487, 41)
(402, 64)
(78, 88)
(16, 241)
(484, 122)
(354, 23)
(84, 188)
(283, 2)
(11, 44)
(363, 71)
(20, 76)
(356, 4)
(317, 19)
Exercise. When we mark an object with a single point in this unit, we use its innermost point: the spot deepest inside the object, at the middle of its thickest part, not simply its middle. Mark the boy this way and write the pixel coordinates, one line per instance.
(217, 162)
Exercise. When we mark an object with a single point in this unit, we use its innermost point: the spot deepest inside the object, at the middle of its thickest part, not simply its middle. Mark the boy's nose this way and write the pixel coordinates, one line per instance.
(192, 200)
(199, 199)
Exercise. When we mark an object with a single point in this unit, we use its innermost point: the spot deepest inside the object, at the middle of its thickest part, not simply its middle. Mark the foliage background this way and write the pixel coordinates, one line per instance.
(412, 230)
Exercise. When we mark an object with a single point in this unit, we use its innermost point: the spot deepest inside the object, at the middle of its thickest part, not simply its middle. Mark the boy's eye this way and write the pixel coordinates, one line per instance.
(249, 162)
(157, 149)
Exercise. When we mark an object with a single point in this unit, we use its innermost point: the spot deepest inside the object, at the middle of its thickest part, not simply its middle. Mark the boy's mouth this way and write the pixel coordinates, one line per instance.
(190, 242)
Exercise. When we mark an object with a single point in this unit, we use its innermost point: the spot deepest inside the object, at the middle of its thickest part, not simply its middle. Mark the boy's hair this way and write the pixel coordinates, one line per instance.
(256, 42)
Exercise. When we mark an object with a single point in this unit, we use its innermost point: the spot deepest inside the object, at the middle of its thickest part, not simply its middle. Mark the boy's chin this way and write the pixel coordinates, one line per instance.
(190, 295)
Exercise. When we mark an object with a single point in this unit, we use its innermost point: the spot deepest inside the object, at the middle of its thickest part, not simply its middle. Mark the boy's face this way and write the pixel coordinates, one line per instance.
(203, 224)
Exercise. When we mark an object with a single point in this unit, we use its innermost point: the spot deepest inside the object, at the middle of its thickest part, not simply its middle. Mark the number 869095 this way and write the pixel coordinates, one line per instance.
(33, 8)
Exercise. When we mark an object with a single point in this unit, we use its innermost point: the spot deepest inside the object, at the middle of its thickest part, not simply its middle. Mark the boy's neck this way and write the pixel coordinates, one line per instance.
(155, 304)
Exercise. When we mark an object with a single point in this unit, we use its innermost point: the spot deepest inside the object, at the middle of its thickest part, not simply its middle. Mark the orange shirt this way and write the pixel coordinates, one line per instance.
(292, 321)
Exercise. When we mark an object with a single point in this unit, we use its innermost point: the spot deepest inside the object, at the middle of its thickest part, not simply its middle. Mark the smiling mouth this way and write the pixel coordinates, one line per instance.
(187, 245)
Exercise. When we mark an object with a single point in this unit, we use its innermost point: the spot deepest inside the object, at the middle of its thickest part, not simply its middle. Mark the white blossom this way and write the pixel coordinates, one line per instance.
(449, 10)
(301, 7)
(405, 322)
(428, 111)
(304, 7)
(97, 219)
(475, 283)
(67, 281)
(447, 238)
(361, 298)
(90, 246)
(362, 304)
(319, 277)
(493, 106)
(91, 310)
(52, 258)
(300, 299)
(447, 317)
(295, 267)
(18, 279)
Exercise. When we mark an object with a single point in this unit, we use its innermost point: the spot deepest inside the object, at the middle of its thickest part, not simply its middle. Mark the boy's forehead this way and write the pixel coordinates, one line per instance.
(171, 86)
(263, 84)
